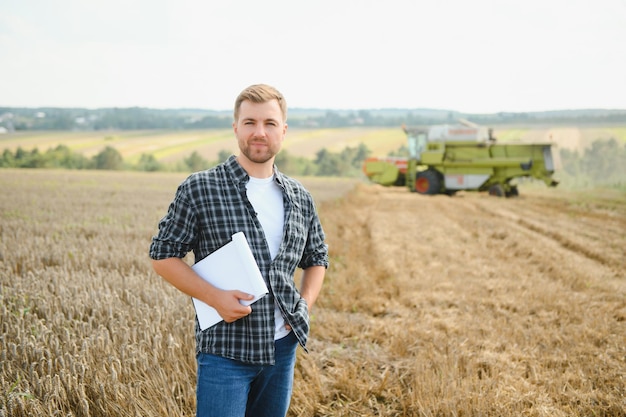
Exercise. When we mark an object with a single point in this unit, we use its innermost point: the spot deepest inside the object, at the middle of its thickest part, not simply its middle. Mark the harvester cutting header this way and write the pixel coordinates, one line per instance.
(449, 158)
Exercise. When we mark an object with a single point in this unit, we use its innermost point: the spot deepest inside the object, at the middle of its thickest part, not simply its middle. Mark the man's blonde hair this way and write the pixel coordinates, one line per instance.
(260, 93)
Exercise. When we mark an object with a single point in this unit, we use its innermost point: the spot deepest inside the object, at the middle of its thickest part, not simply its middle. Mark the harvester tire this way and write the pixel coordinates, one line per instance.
(496, 190)
(513, 192)
(428, 182)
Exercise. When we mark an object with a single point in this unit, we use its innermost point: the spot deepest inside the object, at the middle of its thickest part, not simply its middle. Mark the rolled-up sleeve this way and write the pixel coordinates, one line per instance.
(177, 229)
(316, 249)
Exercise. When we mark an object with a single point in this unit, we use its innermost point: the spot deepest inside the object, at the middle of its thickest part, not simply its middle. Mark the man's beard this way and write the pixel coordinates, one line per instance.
(258, 157)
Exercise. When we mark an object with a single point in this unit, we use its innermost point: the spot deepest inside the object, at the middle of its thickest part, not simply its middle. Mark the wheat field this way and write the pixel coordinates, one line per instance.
(433, 306)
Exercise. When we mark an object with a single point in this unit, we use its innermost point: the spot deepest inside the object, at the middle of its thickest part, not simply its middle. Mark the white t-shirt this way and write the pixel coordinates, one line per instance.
(267, 199)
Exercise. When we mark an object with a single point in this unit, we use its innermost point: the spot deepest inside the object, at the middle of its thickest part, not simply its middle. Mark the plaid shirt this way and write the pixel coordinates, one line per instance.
(209, 207)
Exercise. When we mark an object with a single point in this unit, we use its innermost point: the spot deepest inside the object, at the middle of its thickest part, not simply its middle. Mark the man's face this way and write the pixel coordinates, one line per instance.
(260, 130)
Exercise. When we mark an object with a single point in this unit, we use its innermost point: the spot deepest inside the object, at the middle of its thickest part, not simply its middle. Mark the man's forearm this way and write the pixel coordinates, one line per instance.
(182, 276)
(178, 273)
(312, 280)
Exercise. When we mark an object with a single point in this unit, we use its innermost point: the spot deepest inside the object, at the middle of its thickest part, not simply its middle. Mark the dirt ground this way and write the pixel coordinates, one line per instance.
(471, 305)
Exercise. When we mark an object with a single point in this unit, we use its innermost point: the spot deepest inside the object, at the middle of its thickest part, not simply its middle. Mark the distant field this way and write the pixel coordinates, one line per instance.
(173, 145)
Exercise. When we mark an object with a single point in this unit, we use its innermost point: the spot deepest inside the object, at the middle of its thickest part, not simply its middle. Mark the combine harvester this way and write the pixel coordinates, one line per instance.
(445, 159)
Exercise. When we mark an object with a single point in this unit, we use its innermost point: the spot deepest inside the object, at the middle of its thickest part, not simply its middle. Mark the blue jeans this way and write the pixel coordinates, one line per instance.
(229, 388)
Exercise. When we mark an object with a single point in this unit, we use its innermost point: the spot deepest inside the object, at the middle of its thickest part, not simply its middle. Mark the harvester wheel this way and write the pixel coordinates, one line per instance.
(496, 190)
(513, 192)
(428, 182)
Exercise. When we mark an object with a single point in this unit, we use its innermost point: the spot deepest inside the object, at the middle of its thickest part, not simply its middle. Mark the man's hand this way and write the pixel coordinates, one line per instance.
(228, 306)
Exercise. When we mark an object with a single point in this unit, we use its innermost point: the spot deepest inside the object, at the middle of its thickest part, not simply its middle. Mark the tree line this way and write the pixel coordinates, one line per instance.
(604, 162)
(346, 163)
(600, 164)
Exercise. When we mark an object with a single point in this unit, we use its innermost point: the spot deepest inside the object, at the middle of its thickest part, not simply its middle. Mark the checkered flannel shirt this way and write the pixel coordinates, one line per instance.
(209, 207)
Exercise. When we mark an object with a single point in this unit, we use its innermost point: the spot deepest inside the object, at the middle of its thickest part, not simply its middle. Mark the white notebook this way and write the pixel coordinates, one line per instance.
(231, 267)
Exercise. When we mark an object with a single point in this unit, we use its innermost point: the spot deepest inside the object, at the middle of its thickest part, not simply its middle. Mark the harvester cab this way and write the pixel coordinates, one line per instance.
(417, 140)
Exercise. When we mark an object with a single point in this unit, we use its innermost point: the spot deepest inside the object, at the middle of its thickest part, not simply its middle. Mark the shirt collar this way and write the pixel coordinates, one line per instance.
(240, 176)
(236, 171)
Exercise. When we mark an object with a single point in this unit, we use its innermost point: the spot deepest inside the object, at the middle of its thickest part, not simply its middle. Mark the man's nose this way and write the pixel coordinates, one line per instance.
(259, 130)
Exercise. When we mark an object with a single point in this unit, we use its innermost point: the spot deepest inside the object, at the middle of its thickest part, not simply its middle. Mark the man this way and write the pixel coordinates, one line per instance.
(246, 362)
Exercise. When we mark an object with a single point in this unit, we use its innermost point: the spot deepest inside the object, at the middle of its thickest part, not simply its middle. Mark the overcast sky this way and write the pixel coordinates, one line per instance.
(478, 56)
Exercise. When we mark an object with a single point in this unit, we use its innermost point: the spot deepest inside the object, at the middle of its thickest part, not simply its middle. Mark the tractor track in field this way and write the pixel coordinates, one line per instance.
(565, 242)
(403, 234)
(545, 229)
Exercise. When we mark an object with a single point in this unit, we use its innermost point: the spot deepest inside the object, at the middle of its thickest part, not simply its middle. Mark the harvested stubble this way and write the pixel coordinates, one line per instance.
(474, 307)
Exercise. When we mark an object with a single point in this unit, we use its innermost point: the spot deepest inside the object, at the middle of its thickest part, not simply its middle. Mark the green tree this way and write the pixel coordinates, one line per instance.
(601, 163)
(195, 162)
(8, 160)
(603, 160)
(329, 164)
(147, 162)
(570, 161)
(20, 155)
(223, 155)
(63, 157)
(29, 159)
(108, 158)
